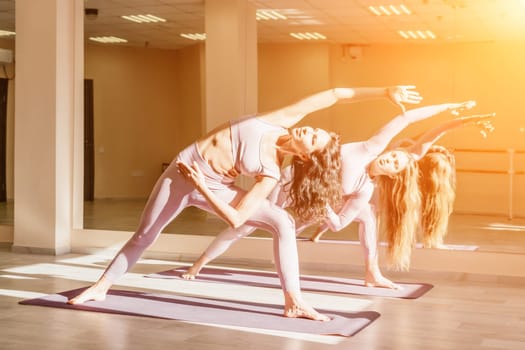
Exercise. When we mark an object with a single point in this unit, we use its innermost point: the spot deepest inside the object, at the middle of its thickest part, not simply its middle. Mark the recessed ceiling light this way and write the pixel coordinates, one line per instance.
(196, 36)
(268, 15)
(6, 33)
(108, 39)
(389, 10)
(308, 36)
(144, 18)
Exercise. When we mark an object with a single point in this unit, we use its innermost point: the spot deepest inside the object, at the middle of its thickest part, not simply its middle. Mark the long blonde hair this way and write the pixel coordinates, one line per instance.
(438, 189)
(398, 214)
(316, 182)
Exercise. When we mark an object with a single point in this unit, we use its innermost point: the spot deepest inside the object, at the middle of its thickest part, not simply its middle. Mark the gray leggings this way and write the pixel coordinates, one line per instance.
(172, 193)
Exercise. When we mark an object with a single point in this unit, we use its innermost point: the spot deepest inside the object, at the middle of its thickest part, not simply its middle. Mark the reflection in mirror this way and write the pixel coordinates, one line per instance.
(6, 130)
(7, 99)
(124, 214)
(147, 107)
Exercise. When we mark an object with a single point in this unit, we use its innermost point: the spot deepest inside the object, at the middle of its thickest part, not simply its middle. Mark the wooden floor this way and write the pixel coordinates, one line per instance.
(462, 311)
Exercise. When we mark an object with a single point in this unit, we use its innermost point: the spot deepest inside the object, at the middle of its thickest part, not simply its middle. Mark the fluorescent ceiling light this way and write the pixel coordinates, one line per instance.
(417, 34)
(308, 36)
(144, 18)
(389, 10)
(6, 33)
(196, 36)
(108, 39)
(266, 15)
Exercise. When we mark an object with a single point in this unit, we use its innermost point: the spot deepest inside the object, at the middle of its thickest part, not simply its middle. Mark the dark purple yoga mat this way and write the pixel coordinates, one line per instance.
(308, 283)
(211, 311)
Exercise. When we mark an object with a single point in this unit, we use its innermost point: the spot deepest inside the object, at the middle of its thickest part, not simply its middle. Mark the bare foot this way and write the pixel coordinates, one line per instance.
(294, 308)
(192, 272)
(381, 282)
(314, 239)
(95, 293)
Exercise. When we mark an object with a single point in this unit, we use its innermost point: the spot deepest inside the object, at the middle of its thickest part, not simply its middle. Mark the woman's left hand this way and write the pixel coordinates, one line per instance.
(192, 173)
(482, 121)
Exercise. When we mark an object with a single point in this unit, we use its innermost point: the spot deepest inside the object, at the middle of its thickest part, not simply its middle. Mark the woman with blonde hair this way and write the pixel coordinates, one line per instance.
(422, 193)
(438, 191)
(203, 175)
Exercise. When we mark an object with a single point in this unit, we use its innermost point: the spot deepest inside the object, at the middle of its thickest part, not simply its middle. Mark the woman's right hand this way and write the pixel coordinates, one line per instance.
(192, 173)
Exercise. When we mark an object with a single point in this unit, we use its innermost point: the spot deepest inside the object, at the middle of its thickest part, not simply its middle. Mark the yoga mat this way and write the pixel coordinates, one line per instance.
(211, 311)
(308, 283)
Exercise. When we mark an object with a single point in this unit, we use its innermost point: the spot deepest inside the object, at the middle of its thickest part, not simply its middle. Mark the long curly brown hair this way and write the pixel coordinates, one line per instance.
(399, 211)
(316, 182)
(438, 189)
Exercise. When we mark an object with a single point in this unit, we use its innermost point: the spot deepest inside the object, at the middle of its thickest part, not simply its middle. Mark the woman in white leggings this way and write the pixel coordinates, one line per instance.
(203, 175)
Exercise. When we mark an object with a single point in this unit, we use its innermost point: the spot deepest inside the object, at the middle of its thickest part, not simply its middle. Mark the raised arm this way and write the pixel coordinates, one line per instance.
(423, 143)
(379, 142)
(292, 114)
(236, 215)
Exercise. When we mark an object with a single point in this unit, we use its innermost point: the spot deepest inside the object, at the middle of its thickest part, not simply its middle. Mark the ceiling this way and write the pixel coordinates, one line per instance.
(341, 21)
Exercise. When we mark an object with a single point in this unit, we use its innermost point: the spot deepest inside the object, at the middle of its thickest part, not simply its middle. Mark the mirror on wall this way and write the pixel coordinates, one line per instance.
(463, 63)
(6, 133)
(7, 79)
(488, 211)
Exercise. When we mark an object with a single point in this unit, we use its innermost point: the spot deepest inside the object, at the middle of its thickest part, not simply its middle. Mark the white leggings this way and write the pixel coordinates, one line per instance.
(224, 240)
(172, 193)
(365, 217)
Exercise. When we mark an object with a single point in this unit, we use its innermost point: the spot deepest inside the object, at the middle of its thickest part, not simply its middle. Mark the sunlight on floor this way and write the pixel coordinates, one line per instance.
(22, 294)
(89, 267)
(503, 227)
(194, 288)
(15, 277)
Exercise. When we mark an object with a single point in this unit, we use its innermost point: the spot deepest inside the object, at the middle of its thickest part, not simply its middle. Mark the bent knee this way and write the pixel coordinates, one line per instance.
(283, 225)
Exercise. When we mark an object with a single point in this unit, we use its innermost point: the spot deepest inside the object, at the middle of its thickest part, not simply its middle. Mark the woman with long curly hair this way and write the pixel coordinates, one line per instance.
(203, 175)
(363, 163)
(312, 181)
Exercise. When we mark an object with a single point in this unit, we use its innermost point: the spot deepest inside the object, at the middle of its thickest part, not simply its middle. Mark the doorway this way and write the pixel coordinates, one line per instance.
(4, 83)
(89, 138)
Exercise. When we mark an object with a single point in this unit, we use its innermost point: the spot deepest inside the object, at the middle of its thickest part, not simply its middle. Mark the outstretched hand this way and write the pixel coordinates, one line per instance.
(482, 121)
(192, 173)
(401, 94)
(457, 108)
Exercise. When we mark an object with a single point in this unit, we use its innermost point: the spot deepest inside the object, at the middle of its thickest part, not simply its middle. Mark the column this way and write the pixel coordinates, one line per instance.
(48, 106)
(230, 61)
